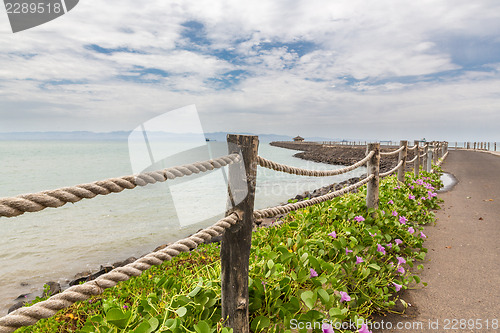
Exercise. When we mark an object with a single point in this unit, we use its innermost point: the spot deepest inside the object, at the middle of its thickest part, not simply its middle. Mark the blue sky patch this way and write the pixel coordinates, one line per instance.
(144, 75)
(228, 79)
(194, 32)
(104, 50)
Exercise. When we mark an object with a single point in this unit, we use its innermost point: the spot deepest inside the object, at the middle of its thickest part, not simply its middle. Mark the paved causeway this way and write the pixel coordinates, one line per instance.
(462, 267)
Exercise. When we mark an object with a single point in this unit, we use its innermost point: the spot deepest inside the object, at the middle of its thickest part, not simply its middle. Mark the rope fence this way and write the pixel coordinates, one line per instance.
(235, 228)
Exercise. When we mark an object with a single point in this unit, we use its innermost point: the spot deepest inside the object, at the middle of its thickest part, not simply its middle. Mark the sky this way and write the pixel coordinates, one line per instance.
(357, 69)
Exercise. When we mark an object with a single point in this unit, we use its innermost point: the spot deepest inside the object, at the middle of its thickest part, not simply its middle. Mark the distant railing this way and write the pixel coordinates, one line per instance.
(487, 146)
(235, 228)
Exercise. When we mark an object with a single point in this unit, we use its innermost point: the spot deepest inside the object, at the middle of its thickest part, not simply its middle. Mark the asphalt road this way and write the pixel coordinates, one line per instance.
(462, 267)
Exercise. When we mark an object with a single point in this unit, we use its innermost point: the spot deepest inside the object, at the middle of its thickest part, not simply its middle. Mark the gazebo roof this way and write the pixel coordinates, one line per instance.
(298, 137)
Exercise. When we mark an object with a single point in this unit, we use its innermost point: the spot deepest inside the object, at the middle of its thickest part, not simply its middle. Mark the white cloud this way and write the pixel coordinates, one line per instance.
(367, 67)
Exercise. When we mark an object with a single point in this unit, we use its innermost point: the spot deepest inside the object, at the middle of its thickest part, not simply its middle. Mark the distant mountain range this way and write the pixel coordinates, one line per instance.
(123, 136)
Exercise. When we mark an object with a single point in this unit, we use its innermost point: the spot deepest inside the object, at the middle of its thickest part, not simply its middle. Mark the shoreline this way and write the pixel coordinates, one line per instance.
(340, 155)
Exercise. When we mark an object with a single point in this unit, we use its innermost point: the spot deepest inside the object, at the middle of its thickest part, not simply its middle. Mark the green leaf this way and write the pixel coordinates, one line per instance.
(143, 327)
(309, 298)
(202, 327)
(374, 267)
(323, 295)
(181, 311)
(260, 323)
(118, 318)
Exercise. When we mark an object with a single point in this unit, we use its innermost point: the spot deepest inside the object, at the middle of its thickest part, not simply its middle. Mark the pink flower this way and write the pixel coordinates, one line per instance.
(411, 197)
(398, 241)
(394, 213)
(327, 328)
(397, 286)
(422, 198)
(359, 218)
(373, 235)
(412, 187)
(359, 260)
(403, 219)
(380, 249)
(344, 297)
(389, 245)
(401, 269)
(347, 251)
(401, 260)
(364, 329)
(313, 273)
(411, 230)
(422, 235)
(390, 202)
(333, 234)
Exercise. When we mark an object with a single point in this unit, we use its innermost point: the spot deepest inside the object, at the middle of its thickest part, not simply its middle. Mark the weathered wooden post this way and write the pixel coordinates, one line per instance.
(416, 163)
(428, 167)
(402, 157)
(488, 146)
(237, 240)
(373, 168)
(424, 159)
(495, 146)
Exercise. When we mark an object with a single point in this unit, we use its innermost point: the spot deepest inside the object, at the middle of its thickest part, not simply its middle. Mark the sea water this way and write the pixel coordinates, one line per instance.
(55, 244)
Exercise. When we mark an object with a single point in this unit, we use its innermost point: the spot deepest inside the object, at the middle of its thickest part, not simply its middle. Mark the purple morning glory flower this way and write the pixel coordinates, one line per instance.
(401, 269)
(398, 241)
(359, 218)
(401, 260)
(397, 286)
(403, 219)
(411, 230)
(364, 329)
(327, 328)
(394, 213)
(313, 273)
(412, 187)
(422, 235)
(359, 260)
(347, 251)
(390, 202)
(344, 297)
(333, 234)
(380, 249)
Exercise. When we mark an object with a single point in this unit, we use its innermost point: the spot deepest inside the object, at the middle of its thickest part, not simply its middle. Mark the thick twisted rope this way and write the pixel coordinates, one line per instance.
(35, 202)
(27, 316)
(391, 153)
(278, 210)
(413, 159)
(412, 148)
(392, 170)
(424, 154)
(265, 163)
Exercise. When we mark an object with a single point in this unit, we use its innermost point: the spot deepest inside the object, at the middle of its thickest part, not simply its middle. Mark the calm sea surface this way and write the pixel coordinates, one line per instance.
(56, 244)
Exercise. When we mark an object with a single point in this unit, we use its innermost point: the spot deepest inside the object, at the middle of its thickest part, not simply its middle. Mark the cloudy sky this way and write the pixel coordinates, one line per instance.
(359, 69)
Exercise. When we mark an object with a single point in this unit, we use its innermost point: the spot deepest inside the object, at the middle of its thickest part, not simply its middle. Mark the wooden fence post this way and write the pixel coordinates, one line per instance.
(424, 159)
(428, 167)
(495, 146)
(237, 240)
(416, 163)
(373, 168)
(402, 157)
